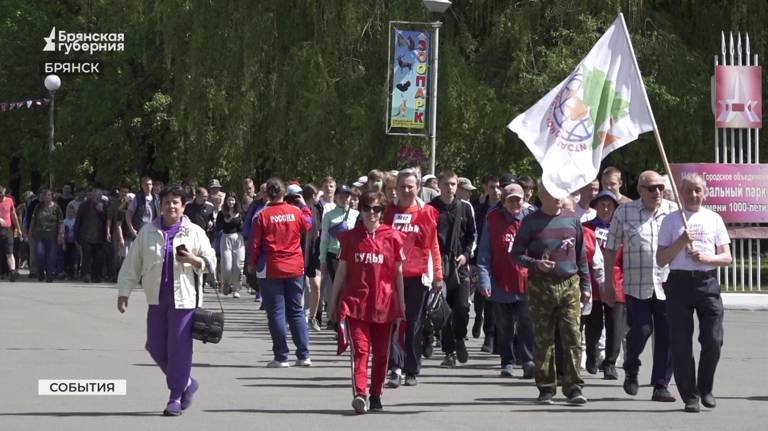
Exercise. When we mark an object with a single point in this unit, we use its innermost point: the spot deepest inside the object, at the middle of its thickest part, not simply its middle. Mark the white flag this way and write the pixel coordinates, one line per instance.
(598, 108)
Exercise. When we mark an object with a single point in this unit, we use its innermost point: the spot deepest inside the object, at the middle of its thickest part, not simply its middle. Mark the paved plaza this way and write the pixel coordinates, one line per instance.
(73, 331)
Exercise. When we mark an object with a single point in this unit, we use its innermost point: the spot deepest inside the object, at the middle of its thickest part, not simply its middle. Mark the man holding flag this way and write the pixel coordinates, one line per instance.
(601, 106)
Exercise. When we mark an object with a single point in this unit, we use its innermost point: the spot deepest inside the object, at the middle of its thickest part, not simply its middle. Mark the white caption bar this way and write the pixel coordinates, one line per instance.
(81, 387)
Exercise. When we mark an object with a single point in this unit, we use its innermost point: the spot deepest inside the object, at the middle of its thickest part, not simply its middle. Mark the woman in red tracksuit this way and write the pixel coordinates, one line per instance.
(276, 240)
(371, 299)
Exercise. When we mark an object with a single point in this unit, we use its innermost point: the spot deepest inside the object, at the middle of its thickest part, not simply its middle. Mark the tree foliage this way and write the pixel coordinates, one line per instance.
(231, 88)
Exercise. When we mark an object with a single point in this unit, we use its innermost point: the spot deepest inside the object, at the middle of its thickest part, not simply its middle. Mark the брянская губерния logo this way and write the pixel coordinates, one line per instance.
(86, 43)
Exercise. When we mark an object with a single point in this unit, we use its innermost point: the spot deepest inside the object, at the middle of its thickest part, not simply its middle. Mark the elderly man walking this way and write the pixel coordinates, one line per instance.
(693, 254)
(636, 225)
(550, 244)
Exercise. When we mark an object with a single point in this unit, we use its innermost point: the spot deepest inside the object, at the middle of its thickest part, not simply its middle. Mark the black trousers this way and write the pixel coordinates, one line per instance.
(409, 358)
(484, 307)
(646, 317)
(457, 297)
(614, 331)
(93, 259)
(508, 316)
(700, 292)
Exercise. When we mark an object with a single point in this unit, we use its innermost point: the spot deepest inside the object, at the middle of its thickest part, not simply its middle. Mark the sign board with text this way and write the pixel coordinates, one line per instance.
(738, 192)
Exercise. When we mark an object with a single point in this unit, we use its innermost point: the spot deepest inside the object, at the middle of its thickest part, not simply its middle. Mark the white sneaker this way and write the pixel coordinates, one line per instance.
(303, 362)
(506, 370)
(360, 404)
(278, 364)
(236, 294)
(313, 325)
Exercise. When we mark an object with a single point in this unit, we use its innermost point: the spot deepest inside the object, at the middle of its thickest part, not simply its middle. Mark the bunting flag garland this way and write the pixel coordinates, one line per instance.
(29, 103)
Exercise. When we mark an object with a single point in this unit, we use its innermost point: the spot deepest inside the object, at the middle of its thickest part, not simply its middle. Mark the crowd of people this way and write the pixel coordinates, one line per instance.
(377, 260)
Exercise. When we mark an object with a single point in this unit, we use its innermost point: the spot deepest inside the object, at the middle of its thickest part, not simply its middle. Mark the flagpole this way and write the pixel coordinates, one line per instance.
(656, 134)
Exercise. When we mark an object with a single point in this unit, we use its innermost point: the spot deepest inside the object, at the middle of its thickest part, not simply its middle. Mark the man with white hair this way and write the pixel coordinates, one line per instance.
(693, 254)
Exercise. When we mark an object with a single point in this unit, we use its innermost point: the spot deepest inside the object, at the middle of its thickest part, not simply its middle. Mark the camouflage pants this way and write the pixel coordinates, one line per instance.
(556, 305)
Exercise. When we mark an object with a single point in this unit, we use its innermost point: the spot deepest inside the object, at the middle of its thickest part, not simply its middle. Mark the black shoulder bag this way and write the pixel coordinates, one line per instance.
(207, 326)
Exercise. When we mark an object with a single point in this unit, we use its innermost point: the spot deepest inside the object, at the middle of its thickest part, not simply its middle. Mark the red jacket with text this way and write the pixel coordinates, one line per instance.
(418, 225)
(277, 236)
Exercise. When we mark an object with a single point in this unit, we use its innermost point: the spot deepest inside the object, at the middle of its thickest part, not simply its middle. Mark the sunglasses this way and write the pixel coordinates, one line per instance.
(377, 209)
(654, 187)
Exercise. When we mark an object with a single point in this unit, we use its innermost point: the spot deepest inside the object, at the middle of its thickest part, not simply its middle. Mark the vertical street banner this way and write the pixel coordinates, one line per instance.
(409, 79)
(738, 95)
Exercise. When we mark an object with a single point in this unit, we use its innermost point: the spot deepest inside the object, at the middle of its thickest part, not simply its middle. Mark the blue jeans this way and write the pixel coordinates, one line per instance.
(282, 300)
(47, 250)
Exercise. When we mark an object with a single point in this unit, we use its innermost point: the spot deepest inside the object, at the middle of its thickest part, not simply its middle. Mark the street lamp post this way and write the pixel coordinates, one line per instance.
(52, 84)
(437, 8)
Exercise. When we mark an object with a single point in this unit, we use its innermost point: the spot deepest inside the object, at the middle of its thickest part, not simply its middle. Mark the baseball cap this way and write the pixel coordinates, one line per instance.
(343, 188)
(214, 183)
(466, 184)
(294, 189)
(514, 189)
(602, 195)
(427, 177)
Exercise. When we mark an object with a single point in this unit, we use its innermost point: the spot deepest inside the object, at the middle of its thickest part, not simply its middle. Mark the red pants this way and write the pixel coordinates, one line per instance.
(367, 336)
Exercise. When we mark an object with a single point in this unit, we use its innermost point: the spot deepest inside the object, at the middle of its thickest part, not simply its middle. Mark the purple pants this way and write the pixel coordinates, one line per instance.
(169, 342)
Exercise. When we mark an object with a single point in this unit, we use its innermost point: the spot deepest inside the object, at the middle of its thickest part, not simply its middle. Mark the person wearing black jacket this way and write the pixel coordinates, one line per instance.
(456, 237)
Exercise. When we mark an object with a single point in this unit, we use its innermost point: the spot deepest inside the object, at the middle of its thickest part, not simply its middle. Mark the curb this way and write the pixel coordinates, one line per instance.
(745, 301)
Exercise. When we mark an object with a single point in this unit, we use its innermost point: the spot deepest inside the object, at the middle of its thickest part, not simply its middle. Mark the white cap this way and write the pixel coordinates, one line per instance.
(360, 181)
(427, 177)
(294, 189)
(514, 189)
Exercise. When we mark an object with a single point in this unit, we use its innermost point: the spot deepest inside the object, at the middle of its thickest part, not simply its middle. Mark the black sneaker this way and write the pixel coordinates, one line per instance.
(692, 406)
(591, 367)
(487, 346)
(631, 386)
(13, 276)
(410, 380)
(477, 327)
(40, 276)
(374, 403)
(529, 370)
(709, 401)
(427, 349)
(609, 372)
(663, 395)
(449, 361)
(461, 351)
(576, 397)
(545, 397)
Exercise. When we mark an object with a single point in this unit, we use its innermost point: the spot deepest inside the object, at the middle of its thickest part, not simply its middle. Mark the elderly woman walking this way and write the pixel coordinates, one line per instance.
(166, 259)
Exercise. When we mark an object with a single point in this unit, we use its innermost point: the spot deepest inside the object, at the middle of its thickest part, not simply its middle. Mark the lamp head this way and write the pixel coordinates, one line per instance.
(52, 82)
(437, 6)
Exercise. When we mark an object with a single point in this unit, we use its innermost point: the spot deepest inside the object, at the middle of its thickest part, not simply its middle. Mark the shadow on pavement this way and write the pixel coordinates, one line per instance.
(82, 414)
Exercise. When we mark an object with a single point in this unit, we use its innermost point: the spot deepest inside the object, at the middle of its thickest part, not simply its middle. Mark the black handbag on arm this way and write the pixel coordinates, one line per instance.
(207, 326)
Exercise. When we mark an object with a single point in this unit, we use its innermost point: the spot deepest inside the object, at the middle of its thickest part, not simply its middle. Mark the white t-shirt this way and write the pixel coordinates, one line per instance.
(584, 215)
(708, 232)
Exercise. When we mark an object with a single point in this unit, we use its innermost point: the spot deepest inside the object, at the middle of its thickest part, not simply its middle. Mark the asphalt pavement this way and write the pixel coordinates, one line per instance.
(74, 331)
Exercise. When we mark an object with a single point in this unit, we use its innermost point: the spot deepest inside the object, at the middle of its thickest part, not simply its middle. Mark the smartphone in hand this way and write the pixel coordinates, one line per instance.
(180, 248)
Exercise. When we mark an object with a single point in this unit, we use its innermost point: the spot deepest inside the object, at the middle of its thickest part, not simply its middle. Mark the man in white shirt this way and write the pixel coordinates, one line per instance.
(693, 254)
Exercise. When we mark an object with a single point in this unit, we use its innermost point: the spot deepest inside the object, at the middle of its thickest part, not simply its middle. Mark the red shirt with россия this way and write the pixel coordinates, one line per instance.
(277, 236)
(370, 290)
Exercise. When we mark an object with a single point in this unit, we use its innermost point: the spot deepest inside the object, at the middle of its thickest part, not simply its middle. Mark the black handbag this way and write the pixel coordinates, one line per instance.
(438, 310)
(207, 325)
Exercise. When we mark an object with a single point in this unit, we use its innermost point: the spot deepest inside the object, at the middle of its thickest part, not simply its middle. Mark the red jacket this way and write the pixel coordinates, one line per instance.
(370, 290)
(277, 236)
(509, 276)
(419, 229)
